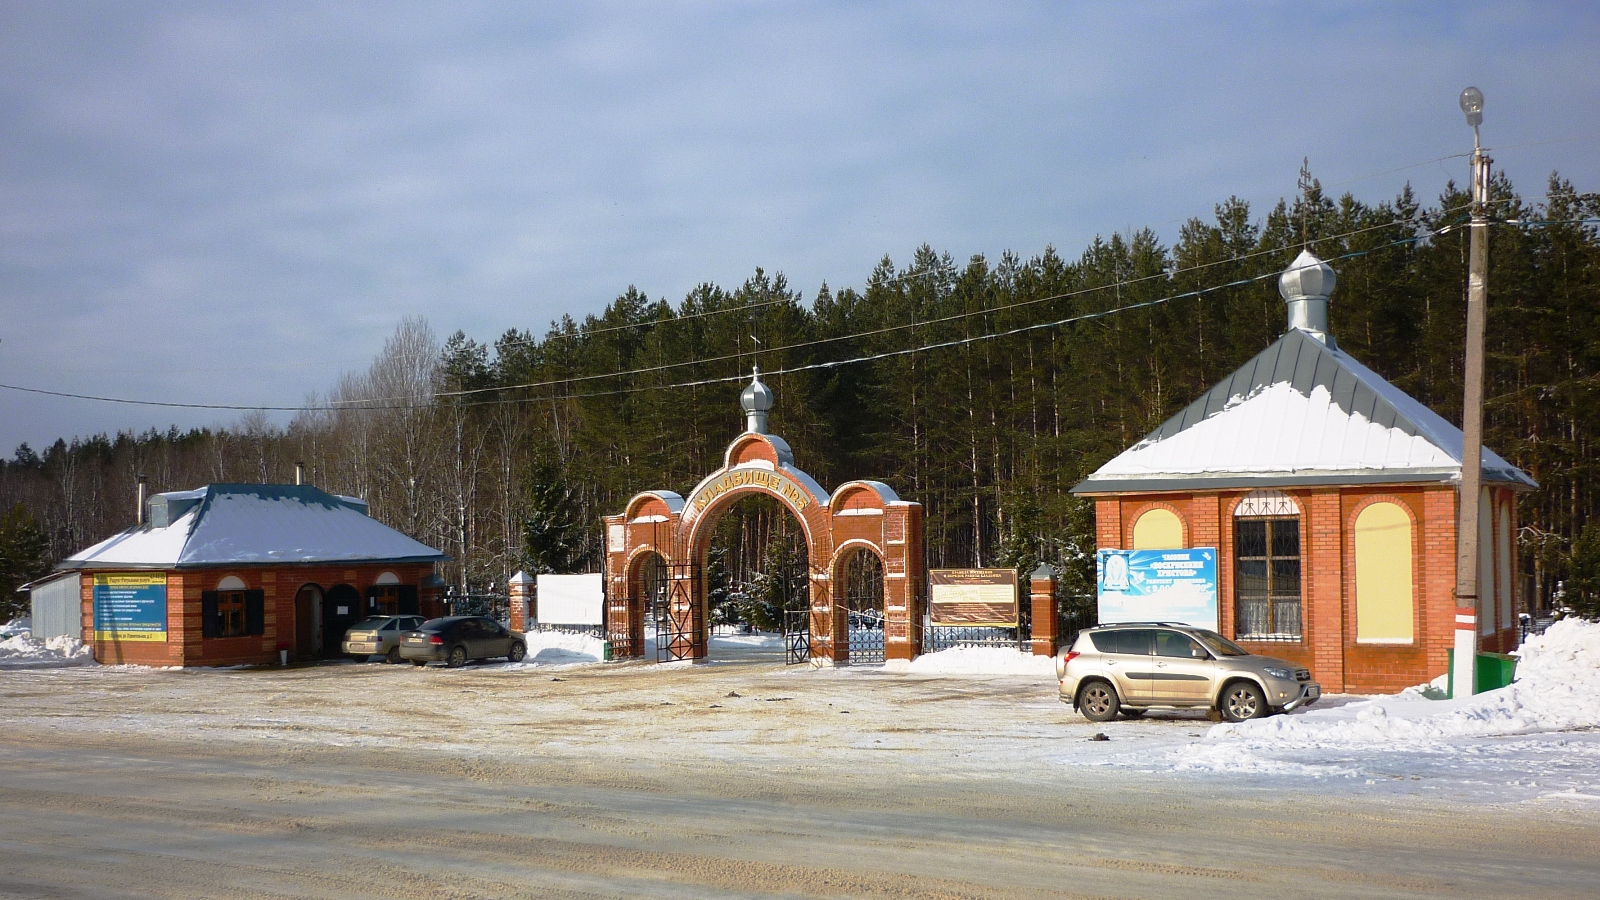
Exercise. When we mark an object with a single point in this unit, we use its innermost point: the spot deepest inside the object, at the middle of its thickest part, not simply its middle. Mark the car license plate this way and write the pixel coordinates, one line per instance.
(366, 647)
(1314, 691)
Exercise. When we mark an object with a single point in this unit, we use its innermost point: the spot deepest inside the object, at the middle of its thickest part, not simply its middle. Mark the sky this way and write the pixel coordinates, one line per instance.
(235, 203)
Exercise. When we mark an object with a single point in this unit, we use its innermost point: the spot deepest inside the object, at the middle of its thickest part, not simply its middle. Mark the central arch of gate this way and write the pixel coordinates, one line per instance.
(656, 550)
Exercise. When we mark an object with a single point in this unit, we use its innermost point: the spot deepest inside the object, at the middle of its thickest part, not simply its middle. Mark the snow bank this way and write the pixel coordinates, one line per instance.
(19, 650)
(1557, 689)
(558, 648)
(983, 661)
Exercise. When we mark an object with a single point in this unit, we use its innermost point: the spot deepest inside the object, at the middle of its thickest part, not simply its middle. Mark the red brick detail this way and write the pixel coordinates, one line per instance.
(186, 645)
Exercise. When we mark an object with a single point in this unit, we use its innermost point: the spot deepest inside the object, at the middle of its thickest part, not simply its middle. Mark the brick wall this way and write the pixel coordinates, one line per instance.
(186, 645)
(1327, 514)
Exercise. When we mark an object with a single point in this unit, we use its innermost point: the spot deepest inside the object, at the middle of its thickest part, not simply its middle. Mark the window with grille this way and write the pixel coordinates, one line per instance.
(1267, 578)
(230, 614)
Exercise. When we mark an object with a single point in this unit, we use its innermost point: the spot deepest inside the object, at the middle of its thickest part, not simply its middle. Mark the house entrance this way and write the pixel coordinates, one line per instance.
(659, 557)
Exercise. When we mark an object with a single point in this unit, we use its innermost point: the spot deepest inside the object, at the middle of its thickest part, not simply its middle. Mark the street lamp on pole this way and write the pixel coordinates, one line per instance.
(1469, 605)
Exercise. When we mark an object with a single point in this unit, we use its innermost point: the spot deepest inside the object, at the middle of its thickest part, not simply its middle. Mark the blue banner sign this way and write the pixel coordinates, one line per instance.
(1158, 586)
(130, 606)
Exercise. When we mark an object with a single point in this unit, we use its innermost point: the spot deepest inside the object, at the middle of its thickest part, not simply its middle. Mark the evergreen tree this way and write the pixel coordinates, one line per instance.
(24, 556)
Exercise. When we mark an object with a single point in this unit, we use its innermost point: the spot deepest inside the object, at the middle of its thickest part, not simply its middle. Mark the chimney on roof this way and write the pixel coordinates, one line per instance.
(299, 473)
(139, 489)
(1306, 286)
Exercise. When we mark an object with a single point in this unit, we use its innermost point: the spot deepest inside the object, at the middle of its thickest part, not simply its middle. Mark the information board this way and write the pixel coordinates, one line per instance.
(1177, 586)
(570, 600)
(130, 606)
(973, 597)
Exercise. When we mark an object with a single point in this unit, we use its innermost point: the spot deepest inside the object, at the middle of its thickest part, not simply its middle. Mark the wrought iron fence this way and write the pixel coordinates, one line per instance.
(1532, 625)
(796, 636)
(866, 637)
(495, 606)
(945, 637)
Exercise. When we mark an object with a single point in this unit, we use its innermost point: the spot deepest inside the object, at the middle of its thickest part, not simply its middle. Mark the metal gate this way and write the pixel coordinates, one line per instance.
(679, 621)
(796, 636)
(863, 598)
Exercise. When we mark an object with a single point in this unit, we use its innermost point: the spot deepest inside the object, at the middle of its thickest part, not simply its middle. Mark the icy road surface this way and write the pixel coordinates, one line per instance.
(741, 778)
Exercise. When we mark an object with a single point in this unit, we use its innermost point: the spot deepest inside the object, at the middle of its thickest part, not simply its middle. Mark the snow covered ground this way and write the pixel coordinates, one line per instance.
(1538, 738)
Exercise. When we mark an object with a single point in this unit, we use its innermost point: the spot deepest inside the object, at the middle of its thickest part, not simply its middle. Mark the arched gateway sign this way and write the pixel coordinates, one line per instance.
(656, 550)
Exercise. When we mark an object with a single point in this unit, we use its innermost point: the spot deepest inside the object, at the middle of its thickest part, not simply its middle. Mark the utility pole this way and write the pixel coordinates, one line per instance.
(1468, 603)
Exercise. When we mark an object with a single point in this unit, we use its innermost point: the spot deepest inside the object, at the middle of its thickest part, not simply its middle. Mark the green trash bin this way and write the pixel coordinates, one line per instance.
(605, 651)
(1494, 670)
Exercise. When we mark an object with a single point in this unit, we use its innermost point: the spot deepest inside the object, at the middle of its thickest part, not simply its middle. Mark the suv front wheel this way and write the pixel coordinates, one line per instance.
(1098, 702)
(1242, 700)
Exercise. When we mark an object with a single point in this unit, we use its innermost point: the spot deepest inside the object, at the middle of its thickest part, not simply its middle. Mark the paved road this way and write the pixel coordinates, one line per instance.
(736, 780)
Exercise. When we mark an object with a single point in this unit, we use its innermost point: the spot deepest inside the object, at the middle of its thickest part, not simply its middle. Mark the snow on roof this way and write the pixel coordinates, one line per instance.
(257, 523)
(1300, 412)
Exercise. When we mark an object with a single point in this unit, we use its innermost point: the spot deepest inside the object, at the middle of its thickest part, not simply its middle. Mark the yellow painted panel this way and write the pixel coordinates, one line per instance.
(1384, 598)
(1158, 529)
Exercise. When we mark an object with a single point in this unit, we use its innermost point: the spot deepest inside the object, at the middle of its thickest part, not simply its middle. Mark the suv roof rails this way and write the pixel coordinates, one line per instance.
(1166, 624)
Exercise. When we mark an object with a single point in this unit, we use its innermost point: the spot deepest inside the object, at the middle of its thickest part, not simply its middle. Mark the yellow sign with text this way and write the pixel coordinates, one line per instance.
(776, 482)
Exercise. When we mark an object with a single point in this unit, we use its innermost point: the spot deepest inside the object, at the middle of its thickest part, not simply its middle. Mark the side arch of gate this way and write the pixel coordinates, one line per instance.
(864, 603)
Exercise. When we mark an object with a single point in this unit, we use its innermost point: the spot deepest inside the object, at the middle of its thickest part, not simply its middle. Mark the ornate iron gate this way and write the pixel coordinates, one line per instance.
(796, 636)
(863, 599)
(680, 622)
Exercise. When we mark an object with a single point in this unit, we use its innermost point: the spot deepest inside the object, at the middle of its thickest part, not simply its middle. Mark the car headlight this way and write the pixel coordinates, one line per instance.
(1278, 672)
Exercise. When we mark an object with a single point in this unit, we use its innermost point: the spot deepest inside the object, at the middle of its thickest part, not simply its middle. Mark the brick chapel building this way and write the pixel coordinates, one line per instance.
(1330, 496)
(232, 574)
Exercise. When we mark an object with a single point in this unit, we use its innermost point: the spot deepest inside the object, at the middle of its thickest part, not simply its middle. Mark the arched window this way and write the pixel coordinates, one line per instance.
(1158, 529)
(1266, 567)
(1384, 592)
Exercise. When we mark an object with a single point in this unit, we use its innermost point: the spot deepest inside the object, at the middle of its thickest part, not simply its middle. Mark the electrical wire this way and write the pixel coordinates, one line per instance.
(586, 332)
(387, 404)
(1165, 274)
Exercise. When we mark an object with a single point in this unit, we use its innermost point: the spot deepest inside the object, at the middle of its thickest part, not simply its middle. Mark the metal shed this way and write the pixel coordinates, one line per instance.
(57, 606)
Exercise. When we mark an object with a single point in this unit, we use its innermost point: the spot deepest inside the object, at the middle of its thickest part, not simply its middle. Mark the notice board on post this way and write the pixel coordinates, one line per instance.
(1178, 586)
(130, 606)
(973, 597)
(570, 600)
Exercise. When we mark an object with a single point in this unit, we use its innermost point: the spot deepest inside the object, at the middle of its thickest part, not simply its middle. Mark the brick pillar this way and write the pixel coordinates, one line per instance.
(1042, 593)
(1437, 581)
(1108, 523)
(1322, 553)
(521, 592)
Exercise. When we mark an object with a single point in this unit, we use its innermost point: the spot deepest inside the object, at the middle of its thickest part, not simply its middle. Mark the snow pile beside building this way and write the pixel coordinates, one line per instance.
(1557, 689)
(20, 650)
(983, 661)
(559, 648)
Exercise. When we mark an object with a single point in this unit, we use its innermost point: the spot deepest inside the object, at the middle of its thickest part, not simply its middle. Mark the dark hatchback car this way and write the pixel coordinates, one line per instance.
(455, 639)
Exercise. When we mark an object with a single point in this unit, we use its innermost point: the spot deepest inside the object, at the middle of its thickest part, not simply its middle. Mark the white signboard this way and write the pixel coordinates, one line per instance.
(570, 600)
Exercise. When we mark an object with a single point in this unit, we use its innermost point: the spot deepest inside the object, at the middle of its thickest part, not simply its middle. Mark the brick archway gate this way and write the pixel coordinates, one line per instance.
(859, 515)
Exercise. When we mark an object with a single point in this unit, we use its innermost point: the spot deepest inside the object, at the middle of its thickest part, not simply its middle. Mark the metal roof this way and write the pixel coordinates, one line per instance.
(255, 524)
(1301, 412)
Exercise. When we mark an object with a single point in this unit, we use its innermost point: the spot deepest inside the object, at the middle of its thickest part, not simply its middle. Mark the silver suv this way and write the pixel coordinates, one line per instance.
(1131, 667)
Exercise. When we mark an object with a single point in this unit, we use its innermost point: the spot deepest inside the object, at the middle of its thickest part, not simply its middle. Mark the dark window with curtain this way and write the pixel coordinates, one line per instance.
(230, 614)
(1267, 579)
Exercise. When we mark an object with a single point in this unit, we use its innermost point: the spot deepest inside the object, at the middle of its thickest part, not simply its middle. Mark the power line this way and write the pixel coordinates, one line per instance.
(387, 404)
(468, 392)
(586, 332)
